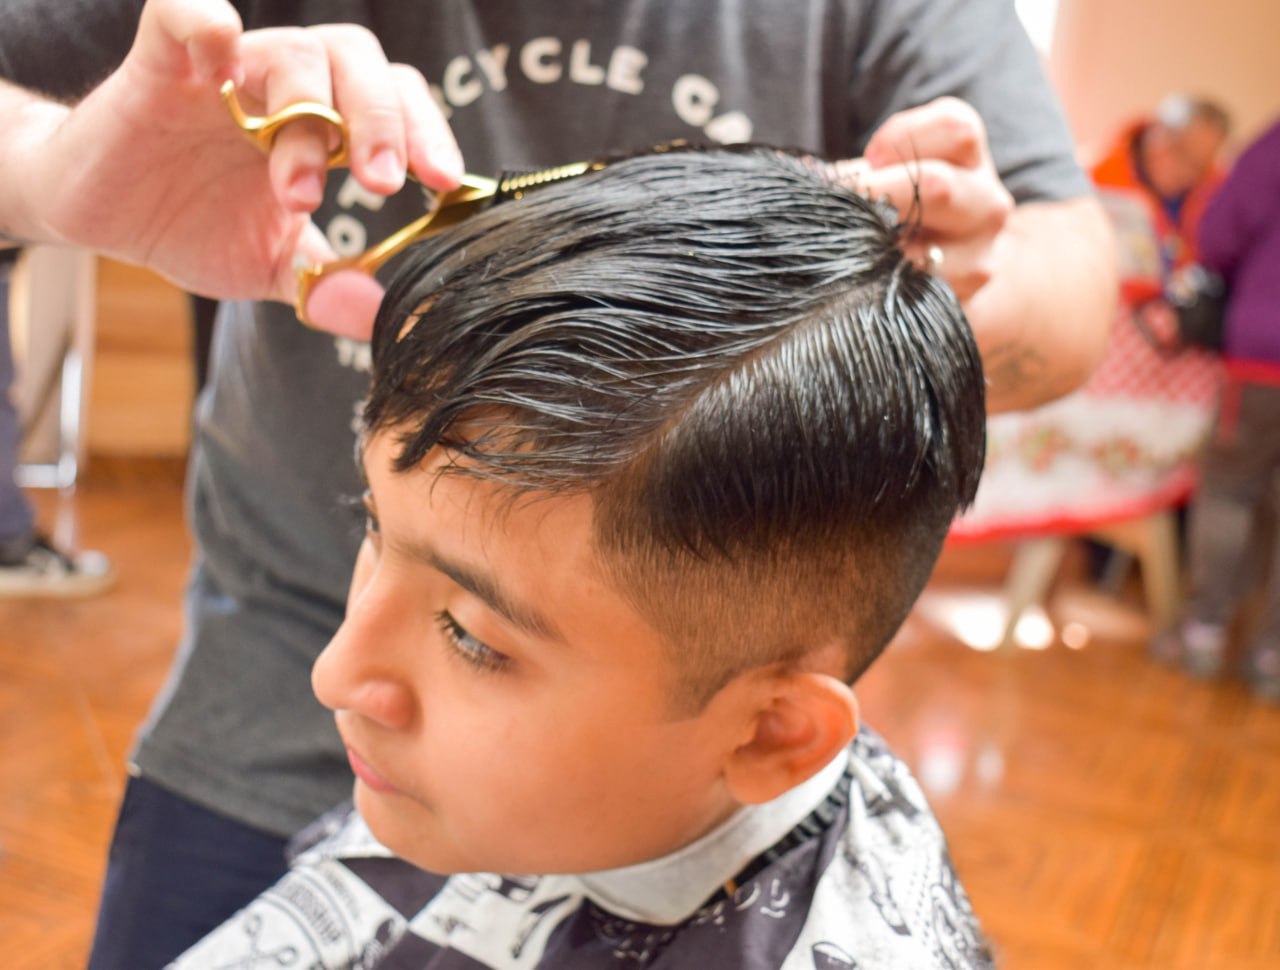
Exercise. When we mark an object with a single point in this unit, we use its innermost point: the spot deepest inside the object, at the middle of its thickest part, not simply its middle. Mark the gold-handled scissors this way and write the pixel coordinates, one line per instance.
(444, 209)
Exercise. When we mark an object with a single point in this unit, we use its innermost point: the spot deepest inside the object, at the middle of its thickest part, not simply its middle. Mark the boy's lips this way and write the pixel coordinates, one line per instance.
(366, 773)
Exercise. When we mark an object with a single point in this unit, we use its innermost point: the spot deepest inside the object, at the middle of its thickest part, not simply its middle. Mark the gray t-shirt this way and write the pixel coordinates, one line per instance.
(524, 84)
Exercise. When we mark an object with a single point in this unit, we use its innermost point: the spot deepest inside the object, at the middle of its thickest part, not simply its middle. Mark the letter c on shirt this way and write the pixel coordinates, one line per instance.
(457, 89)
(695, 99)
(538, 60)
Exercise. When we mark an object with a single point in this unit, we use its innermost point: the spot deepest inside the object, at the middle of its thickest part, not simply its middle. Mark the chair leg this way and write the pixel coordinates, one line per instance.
(1154, 541)
(1035, 564)
(70, 414)
(54, 304)
(1160, 574)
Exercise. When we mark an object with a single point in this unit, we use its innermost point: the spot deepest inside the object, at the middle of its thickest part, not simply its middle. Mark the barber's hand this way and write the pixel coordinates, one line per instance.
(151, 169)
(938, 153)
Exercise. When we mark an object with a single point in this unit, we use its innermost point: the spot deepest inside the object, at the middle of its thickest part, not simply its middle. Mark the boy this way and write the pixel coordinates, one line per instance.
(658, 459)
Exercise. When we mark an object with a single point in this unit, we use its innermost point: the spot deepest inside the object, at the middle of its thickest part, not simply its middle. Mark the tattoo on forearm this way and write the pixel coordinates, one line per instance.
(1013, 366)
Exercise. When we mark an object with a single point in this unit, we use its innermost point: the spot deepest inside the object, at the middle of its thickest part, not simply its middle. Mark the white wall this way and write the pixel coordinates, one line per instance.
(1113, 60)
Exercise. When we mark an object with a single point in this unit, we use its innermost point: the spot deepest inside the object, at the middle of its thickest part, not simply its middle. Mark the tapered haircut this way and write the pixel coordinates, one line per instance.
(775, 413)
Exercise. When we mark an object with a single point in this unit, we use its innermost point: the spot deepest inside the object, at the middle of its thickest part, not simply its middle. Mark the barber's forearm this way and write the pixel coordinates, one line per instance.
(27, 121)
(1043, 319)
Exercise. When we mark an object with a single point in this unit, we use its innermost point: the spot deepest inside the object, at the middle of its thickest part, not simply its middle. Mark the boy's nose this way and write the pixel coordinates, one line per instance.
(351, 674)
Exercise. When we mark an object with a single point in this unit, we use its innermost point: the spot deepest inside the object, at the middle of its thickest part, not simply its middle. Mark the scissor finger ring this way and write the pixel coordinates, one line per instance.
(262, 129)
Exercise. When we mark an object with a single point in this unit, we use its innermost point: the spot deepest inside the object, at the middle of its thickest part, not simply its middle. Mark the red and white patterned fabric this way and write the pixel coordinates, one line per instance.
(1121, 447)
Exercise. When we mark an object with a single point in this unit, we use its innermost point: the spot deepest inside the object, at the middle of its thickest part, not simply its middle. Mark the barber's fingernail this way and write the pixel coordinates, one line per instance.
(387, 167)
(221, 71)
(307, 188)
(449, 161)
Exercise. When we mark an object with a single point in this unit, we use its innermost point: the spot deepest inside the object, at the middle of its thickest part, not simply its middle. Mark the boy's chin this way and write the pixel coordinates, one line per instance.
(413, 834)
(404, 836)
(416, 834)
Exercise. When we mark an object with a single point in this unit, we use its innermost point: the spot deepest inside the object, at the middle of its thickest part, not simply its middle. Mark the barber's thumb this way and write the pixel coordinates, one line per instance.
(345, 304)
(201, 35)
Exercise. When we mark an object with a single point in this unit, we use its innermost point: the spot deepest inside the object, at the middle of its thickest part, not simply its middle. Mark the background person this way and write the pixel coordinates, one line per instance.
(1240, 466)
(1171, 160)
(30, 565)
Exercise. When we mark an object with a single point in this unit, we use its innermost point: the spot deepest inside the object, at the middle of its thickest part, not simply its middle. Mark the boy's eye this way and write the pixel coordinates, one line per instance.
(478, 654)
(371, 526)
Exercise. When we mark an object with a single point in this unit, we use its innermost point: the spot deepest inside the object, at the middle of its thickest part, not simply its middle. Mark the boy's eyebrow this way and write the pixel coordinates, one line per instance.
(478, 584)
(485, 588)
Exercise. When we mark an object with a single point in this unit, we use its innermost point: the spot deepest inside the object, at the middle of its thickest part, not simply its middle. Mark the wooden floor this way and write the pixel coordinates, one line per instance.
(1104, 813)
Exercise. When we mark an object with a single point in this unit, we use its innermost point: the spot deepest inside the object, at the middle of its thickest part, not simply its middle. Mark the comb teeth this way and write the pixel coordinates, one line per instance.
(514, 185)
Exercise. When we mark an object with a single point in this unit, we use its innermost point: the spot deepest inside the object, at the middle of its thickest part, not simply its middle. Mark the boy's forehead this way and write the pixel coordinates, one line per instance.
(476, 511)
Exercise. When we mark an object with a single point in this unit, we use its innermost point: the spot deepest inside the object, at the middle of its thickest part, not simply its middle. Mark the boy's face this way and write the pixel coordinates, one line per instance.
(504, 709)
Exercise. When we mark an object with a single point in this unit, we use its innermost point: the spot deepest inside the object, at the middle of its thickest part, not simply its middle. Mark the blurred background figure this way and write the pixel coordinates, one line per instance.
(30, 564)
(1239, 237)
(1156, 179)
(1113, 464)
(1170, 159)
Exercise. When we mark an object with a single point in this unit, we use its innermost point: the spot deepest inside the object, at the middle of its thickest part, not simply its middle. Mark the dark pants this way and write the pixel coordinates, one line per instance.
(16, 516)
(1239, 472)
(176, 871)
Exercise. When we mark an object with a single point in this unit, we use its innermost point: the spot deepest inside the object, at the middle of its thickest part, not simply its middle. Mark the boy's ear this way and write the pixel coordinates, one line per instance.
(802, 721)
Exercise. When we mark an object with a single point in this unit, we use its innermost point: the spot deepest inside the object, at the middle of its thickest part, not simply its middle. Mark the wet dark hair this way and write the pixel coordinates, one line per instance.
(775, 413)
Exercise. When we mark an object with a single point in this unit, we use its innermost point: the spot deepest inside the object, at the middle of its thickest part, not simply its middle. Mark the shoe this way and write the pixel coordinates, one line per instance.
(1166, 647)
(1262, 672)
(1204, 649)
(42, 570)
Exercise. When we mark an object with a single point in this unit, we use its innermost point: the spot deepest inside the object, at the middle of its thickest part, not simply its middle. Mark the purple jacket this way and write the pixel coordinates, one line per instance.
(1240, 238)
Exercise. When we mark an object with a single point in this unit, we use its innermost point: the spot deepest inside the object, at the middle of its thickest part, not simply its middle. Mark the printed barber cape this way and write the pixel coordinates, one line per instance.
(849, 870)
